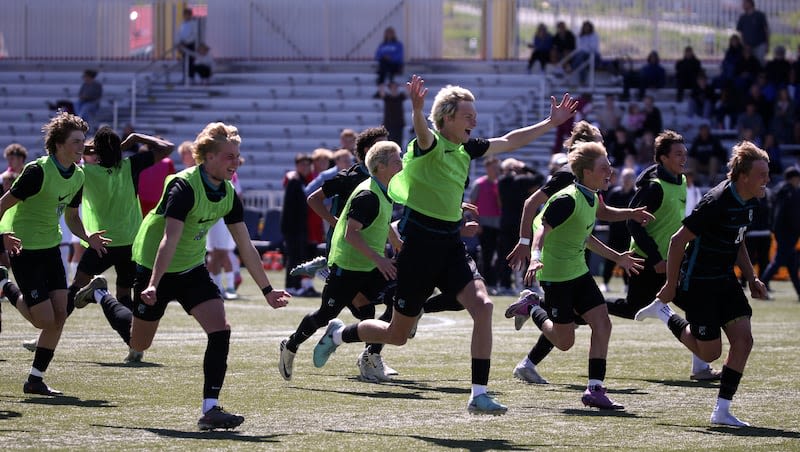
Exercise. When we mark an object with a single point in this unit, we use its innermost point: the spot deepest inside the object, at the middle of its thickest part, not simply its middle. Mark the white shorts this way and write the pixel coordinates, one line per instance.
(219, 237)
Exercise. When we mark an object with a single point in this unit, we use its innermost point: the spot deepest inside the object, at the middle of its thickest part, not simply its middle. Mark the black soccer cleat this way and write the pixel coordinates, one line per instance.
(40, 388)
(217, 418)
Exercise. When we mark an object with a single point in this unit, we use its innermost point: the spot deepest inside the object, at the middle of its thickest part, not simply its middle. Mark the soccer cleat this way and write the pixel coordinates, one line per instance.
(3, 273)
(413, 331)
(310, 268)
(485, 404)
(325, 347)
(723, 417)
(596, 397)
(521, 309)
(371, 367)
(217, 417)
(40, 388)
(30, 345)
(285, 361)
(388, 370)
(650, 311)
(86, 294)
(707, 374)
(528, 373)
(230, 294)
(134, 357)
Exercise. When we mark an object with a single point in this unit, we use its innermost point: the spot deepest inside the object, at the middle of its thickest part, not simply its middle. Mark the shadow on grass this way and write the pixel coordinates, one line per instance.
(627, 391)
(370, 395)
(229, 435)
(681, 383)
(589, 412)
(472, 445)
(141, 364)
(69, 401)
(5, 414)
(764, 432)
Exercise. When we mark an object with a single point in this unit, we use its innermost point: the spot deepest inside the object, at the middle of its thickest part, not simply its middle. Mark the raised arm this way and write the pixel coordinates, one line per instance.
(517, 138)
(416, 92)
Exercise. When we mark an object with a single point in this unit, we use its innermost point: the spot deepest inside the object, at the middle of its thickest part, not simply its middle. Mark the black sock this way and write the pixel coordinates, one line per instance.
(728, 383)
(215, 363)
(677, 325)
(12, 292)
(118, 316)
(538, 315)
(480, 371)
(71, 292)
(620, 307)
(308, 326)
(365, 312)
(597, 369)
(373, 348)
(41, 359)
(442, 302)
(539, 351)
(350, 333)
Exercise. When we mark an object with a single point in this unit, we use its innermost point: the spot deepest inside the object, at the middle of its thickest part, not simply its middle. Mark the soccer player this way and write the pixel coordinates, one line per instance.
(563, 232)
(357, 260)
(431, 187)
(170, 249)
(700, 277)
(48, 186)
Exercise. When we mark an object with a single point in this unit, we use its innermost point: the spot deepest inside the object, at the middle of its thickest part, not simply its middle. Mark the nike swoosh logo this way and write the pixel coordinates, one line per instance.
(61, 198)
(447, 151)
(206, 220)
(683, 200)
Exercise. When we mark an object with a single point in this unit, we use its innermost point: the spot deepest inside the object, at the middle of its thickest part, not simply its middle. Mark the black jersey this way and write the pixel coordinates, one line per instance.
(339, 188)
(719, 222)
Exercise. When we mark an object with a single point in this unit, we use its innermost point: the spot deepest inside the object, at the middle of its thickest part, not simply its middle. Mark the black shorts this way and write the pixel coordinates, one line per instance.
(189, 288)
(117, 256)
(38, 272)
(643, 288)
(342, 286)
(567, 300)
(428, 262)
(710, 304)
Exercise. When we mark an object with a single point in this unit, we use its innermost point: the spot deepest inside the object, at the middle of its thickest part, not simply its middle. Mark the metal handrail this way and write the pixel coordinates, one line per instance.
(589, 61)
(147, 68)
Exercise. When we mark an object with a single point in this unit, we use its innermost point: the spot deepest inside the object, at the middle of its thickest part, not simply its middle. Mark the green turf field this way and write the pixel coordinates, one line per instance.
(155, 406)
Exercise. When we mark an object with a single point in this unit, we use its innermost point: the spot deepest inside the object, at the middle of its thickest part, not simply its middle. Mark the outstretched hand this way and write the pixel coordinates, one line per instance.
(564, 110)
(416, 92)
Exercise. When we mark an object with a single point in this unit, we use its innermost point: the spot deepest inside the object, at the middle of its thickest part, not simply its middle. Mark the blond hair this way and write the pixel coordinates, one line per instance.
(446, 102)
(212, 136)
(742, 157)
(583, 157)
(379, 154)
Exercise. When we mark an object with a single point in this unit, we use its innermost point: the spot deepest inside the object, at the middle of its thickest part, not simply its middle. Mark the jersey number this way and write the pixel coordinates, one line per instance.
(740, 236)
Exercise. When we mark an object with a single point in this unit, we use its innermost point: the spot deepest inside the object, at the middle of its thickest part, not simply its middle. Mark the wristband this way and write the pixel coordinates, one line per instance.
(267, 290)
(524, 241)
(536, 255)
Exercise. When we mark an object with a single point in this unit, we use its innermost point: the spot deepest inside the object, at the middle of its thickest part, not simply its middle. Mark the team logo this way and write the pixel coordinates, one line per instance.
(141, 308)
(60, 208)
(401, 303)
(701, 330)
(554, 312)
(34, 294)
(200, 234)
(331, 302)
(750, 215)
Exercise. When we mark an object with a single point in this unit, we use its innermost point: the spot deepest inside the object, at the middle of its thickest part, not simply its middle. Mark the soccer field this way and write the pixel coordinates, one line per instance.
(155, 405)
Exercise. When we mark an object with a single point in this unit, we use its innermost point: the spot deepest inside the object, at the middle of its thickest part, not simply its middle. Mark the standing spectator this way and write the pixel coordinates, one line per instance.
(609, 116)
(786, 225)
(89, 96)
(294, 221)
(203, 62)
(186, 153)
(650, 76)
(706, 155)
(750, 120)
(753, 27)
(619, 238)
(686, 71)
(389, 56)
(187, 37)
(693, 192)
(758, 237)
(540, 47)
(621, 147)
(652, 117)
(486, 198)
(563, 42)
(394, 115)
(151, 181)
(633, 120)
(15, 155)
(588, 47)
(747, 70)
(702, 98)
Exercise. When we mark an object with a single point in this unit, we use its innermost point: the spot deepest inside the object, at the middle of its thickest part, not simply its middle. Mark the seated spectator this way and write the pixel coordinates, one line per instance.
(751, 120)
(773, 149)
(620, 147)
(783, 116)
(588, 47)
(652, 117)
(203, 62)
(540, 47)
(725, 110)
(89, 95)
(778, 69)
(686, 71)
(650, 76)
(609, 116)
(702, 98)
(390, 58)
(747, 69)
(706, 156)
(731, 60)
(645, 152)
(563, 41)
(633, 120)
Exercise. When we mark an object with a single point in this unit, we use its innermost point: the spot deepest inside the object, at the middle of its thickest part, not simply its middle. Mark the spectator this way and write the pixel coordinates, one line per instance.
(783, 116)
(786, 225)
(186, 39)
(731, 60)
(645, 153)
(588, 47)
(686, 71)
(702, 98)
(389, 56)
(620, 147)
(650, 76)
(609, 116)
(486, 197)
(394, 115)
(753, 27)
(347, 140)
(563, 42)
(693, 192)
(751, 120)
(203, 62)
(540, 46)
(778, 69)
(747, 70)
(725, 110)
(186, 153)
(151, 180)
(633, 120)
(706, 156)
(15, 155)
(619, 238)
(294, 224)
(652, 118)
(773, 150)
(89, 95)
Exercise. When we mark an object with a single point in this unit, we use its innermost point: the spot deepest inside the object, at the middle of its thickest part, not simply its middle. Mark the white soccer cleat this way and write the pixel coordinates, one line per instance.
(723, 417)
(650, 311)
(528, 373)
(371, 367)
(30, 345)
(134, 357)
(286, 361)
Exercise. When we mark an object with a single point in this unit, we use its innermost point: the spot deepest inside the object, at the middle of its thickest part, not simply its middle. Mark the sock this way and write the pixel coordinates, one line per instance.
(664, 312)
(478, 390)
(215, 363)
(539, 351)
(597, 371)
(347, 334)
(308, 326)
(677, 325)
(698, 365)
(442, 302)
(728, 383)
(208, 404)
(539, 316)
(723, 405)
(41, 360)
(12, 292)
(374, 349)
(337, 336)
(99, 294)
(229, 281)
(118, 315)
(217, 278)
(480, 371)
